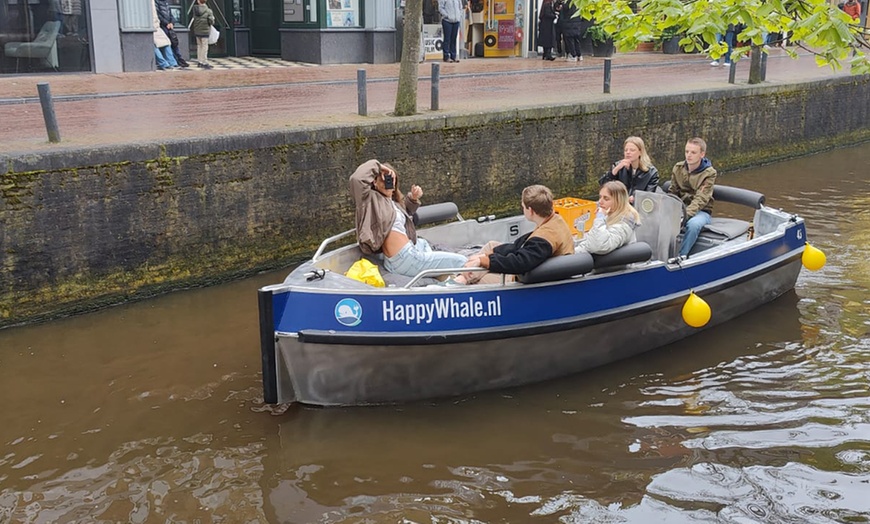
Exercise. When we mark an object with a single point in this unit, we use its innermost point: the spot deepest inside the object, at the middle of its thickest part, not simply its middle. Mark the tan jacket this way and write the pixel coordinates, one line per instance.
(375, 213)
(694, 189)
(556, 232)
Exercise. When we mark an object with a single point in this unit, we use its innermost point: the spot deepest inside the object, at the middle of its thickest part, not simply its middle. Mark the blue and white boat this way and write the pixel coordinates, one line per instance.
(327, 339)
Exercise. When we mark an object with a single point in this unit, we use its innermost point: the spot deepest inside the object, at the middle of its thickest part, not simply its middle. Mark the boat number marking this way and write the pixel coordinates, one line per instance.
(515, 230)
(800, 234)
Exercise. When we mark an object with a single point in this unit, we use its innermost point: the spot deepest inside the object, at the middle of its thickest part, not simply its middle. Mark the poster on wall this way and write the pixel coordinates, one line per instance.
(433, 41)
(341, 19)
(342, 13)
(506, 34)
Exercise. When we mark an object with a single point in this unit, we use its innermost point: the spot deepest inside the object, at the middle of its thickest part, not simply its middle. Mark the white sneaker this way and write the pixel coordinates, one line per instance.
(714, 63)
(580, 58)
(573, 58)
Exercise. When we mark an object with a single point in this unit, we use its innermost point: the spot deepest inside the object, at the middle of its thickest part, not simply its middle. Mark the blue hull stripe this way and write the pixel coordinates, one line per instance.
(478, 335)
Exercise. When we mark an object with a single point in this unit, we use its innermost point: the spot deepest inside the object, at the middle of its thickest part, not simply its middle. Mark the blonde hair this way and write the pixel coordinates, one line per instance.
(644, 162)
(621, 208)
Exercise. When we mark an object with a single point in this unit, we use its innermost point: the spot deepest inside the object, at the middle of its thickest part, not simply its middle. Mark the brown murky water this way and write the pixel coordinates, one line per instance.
(152, 412)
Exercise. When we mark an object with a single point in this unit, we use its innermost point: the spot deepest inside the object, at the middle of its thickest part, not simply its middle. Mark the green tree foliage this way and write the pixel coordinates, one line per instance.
(815, 25)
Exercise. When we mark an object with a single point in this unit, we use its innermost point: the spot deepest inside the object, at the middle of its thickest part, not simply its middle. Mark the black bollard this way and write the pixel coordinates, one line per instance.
(763, 67)
(436, 85)
(361, 91)
(48, 112)
(607, 75)
(732, 72)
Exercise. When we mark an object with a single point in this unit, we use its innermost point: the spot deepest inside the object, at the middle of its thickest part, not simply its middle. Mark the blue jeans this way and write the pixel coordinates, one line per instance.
(413, 258)
(165, 57)
(693, 229)
(451, 32)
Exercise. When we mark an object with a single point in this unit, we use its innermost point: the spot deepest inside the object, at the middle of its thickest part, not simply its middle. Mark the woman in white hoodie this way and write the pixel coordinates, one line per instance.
(614, 224)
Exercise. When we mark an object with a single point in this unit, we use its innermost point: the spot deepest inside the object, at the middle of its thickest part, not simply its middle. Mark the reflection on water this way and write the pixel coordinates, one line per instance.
(152, 412)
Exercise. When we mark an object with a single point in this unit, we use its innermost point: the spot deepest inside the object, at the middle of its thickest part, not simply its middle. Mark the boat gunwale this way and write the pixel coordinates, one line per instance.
(695, 260)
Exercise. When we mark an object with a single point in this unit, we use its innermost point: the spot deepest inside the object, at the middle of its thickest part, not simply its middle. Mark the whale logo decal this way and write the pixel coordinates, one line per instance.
(348, 312)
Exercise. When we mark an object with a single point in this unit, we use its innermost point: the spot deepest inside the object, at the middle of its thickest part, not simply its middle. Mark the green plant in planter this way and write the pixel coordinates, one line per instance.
(671, 32)
(598, 35)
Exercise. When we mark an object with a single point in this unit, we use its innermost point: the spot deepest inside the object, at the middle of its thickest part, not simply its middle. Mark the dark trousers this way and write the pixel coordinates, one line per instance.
(451, 32)
(558, 32)
(173, 39)
(572, 45)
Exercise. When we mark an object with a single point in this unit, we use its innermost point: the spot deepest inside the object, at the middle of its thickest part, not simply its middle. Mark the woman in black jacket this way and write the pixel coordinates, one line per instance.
(546, 29)
(635, 170)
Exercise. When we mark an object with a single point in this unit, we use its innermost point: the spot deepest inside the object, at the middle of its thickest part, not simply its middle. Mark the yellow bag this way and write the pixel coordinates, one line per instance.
(366, 272)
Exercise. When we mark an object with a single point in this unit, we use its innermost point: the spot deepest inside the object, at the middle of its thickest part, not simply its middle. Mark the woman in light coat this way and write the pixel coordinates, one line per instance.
(614, 224)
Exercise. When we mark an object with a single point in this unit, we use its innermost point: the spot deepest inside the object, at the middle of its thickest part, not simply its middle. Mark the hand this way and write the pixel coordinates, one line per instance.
(169, 25)
(621, 164)
(416, 193)
(600, 213)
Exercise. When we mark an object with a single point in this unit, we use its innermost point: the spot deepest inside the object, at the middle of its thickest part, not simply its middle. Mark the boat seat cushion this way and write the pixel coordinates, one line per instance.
(435, 213)
(559, 268)
(725, 228)
(635, 252)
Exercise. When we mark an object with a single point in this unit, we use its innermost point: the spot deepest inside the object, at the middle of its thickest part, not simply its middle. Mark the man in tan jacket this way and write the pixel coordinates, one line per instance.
(550, 238)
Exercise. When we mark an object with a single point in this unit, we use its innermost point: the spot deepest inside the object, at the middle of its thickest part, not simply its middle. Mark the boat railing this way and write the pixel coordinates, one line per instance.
(446, 271)
(329, 241)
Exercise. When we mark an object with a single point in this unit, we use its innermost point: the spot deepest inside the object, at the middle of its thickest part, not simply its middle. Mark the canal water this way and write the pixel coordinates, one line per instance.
(152, 412)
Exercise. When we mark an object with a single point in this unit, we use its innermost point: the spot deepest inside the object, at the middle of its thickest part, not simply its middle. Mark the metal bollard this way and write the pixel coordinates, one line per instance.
(732, 72)
(436, 85)
(361, 91)
(607, 75)
(763, 67)
(48, 112)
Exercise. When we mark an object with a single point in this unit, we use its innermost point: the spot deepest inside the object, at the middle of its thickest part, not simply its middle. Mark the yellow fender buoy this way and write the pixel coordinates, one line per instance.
(813, 258)
(696, 312)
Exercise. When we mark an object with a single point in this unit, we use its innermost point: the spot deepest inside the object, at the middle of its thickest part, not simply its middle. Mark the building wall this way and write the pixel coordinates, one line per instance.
(92, 227)
(339, 46)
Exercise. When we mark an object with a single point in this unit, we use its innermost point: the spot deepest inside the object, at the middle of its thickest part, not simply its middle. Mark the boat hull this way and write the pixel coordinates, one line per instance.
(357, 367)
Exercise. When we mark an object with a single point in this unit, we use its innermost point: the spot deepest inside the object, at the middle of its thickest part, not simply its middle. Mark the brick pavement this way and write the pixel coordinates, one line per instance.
(110, 109)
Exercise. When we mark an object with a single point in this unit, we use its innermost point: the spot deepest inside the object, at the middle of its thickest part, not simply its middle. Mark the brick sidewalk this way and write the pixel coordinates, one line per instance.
(109, 109)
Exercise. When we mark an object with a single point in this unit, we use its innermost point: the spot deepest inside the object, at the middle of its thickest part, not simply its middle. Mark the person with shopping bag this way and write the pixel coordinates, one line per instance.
(202, 26)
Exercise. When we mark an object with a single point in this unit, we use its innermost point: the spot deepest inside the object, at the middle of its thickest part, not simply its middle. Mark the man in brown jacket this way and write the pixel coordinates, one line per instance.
(550, 238)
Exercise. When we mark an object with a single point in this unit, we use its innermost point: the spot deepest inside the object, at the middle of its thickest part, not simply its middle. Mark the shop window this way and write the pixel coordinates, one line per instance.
(44, 36)
(179, 16)
(342, 13)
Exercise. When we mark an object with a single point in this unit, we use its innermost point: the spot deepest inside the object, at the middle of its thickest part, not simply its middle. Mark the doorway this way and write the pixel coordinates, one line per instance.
(265, 18)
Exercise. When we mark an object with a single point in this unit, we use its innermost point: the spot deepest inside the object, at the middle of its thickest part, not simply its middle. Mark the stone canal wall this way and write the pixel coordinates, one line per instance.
(86, 228)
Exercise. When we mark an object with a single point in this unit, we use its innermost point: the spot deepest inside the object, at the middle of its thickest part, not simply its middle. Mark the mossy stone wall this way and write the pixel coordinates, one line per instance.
(83, 229)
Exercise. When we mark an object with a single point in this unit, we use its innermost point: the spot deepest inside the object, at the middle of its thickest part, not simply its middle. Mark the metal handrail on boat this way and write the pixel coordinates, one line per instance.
(329, 241)
(438, 272)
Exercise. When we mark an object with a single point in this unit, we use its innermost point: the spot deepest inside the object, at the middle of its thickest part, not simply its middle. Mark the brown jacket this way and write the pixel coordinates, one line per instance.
(375, 213)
